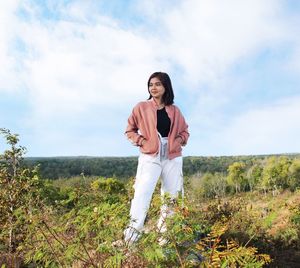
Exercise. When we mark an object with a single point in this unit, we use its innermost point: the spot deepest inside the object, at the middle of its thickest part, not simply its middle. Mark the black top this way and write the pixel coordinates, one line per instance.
(163, 122)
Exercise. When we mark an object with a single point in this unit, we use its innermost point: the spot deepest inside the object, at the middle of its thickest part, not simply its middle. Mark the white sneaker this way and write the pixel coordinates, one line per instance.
(118, 243)
(162, 241)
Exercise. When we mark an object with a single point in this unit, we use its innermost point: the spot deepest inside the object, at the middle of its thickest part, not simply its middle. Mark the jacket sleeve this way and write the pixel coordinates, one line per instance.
(183, 131)
(132, 129)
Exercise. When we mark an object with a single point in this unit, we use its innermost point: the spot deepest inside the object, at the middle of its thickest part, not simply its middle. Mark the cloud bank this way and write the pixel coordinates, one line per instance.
(80, 70)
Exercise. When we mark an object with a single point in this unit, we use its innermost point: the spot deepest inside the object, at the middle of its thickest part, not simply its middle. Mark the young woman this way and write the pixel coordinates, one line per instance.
(159, 129)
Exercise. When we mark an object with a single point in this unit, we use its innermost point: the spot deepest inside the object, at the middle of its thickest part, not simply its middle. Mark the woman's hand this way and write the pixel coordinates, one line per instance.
(179, 139)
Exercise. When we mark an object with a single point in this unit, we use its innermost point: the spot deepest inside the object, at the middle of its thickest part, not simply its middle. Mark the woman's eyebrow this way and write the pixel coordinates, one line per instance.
(155, 83)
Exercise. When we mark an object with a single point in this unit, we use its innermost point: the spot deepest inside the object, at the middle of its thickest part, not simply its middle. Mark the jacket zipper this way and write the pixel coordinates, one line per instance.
(171, 127)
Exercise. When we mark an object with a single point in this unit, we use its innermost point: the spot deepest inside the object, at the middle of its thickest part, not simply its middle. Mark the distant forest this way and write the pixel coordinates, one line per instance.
(125, 167)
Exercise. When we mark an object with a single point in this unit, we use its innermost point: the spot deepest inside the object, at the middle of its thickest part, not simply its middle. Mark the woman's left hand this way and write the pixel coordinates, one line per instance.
(179, 139)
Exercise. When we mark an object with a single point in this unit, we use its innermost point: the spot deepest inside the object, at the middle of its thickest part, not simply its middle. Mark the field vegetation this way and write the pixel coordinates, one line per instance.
(244, 215)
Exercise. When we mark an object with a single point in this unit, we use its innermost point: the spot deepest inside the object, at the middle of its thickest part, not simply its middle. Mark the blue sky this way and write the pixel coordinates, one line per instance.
(71, 72)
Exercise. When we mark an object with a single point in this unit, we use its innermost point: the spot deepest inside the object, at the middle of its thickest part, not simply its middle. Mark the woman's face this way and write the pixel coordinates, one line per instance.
(156, 88)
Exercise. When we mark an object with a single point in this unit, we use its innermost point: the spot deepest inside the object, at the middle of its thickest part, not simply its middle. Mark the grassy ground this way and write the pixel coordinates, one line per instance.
(270, 223)
(264, 221)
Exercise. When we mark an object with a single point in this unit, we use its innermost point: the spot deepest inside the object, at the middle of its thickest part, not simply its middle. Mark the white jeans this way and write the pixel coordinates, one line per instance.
(150, 169)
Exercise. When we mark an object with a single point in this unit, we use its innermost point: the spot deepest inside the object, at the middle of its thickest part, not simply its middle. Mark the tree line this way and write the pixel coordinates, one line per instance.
(273, 173)
(125, 167)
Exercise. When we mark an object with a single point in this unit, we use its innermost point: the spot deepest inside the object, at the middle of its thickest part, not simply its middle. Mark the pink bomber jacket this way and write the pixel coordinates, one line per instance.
(142, 126)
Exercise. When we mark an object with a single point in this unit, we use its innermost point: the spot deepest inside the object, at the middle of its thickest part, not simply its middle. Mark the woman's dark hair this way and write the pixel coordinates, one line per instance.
(168, 97)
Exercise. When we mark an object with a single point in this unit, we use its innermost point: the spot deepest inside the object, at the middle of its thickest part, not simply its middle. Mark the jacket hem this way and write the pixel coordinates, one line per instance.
(173, 155)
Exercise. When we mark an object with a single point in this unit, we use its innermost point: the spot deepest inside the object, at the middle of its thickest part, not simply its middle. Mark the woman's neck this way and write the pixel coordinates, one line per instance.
(159, 102)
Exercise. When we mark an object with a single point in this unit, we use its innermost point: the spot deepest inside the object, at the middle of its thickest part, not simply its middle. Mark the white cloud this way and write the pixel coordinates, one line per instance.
(84, 67)
(206, 37)
(9, 77)
(77, 66)
(74, 62)
(265, 130)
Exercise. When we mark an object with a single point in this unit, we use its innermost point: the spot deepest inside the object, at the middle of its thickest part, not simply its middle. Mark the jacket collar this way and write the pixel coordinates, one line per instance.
(154, 104)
